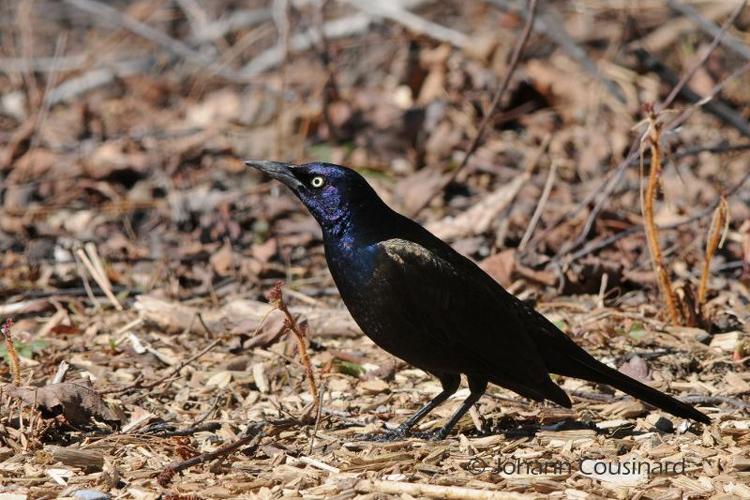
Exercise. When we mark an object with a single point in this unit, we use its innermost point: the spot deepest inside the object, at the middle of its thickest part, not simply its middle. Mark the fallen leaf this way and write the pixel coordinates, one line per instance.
(223, 260)
(77, 403)
(479, 217)
(413, 191)
(500, 266)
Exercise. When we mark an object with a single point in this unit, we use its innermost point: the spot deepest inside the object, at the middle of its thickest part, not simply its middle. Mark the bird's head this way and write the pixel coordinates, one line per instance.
(330, 192)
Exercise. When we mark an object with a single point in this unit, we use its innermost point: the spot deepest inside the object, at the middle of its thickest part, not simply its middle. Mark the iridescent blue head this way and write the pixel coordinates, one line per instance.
(333, 194)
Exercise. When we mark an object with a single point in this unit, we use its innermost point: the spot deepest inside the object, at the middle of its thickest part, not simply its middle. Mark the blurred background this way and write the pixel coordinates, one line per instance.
(125, 124)
(124, 197)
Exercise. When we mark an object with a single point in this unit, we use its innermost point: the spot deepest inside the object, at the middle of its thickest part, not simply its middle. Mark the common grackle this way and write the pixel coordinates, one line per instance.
(425, 303)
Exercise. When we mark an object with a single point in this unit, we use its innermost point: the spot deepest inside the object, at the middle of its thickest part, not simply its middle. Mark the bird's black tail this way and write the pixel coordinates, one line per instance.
(582, 365)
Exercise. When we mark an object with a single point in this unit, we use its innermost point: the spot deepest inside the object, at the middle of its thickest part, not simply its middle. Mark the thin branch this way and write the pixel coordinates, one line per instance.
(551, 27)
(252, 436)
(117, 18)
(239, 19)
(515, 58)
(698, 64)
(395, 12)
(70, 89)
(276, 298)
(172, 45)
(300, 42)
(594, 246)
(174, 371)
(539, 207)
(633, 154)
(711, 28)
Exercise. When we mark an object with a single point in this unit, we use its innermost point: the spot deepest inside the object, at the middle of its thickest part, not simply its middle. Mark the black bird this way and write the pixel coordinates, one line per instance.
(425, 303)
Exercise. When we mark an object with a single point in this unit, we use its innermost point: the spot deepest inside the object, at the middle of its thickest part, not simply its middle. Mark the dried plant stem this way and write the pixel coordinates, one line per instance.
(93, 265)
(652, 235)
(251, 437)
(474, 145)
(277, 300)
(13, 361)
(715, 239)
(539, 208)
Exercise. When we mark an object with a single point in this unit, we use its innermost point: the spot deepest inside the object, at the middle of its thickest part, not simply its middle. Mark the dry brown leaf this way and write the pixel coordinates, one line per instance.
(77, 403)
(415, 189)
(479, 217)
(223, 260)
(500, 266)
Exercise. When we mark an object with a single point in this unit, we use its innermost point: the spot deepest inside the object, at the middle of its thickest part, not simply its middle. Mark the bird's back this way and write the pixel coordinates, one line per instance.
(424, 302)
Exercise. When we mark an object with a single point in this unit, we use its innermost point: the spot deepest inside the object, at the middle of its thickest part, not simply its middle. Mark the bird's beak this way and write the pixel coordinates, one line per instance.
(280, 171)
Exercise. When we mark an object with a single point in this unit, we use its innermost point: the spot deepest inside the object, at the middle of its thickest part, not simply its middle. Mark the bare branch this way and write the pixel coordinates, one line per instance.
(395, 12)
(711, 28)
(515, 58)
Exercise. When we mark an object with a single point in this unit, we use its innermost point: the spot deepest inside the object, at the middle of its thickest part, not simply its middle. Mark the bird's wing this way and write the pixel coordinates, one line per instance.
(458, 311)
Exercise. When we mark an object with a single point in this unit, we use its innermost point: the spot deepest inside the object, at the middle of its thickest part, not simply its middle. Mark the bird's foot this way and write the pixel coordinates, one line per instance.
(397, 434)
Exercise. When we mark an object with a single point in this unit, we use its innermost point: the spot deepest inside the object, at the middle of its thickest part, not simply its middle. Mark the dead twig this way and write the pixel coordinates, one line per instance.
(172, 45)
(714, 43)
(515, 58)
(251, 437)
(395, 12)
(653, 135)
(337, 28)
(711, 28)
(716, 234)
(713, 400)
(604, 191)
(237, 20)
(42, 64)
(276, 299)
(176, 369)
(280, 12)
(317, 422)
(539, 207)
(99, 77)
(91, 261)
(13, 361)
(722, 110)
(595, 245)
(550, 25)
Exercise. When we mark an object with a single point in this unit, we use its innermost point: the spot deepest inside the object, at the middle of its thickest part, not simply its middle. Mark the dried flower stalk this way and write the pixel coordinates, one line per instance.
(15, 364)
(652, 235)
(277, 300)
(716, 233)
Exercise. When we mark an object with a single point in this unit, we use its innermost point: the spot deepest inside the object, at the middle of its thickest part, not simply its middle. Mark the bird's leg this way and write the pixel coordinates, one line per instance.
(477, 386)
(450, 386)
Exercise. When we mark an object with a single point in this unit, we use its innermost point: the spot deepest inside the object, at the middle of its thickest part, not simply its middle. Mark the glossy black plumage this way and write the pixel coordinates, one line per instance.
(425, 303)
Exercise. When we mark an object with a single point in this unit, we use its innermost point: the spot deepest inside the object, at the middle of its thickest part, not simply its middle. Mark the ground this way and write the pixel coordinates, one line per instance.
(137, 252)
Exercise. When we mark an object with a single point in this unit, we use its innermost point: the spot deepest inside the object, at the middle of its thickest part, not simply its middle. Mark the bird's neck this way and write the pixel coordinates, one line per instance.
(358, 228)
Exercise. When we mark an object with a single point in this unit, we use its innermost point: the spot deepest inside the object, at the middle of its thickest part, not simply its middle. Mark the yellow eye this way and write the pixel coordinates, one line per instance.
(317, 181)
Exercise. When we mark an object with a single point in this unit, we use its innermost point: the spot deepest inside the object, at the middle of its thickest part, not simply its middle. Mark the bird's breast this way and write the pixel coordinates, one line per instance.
(360, 285)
